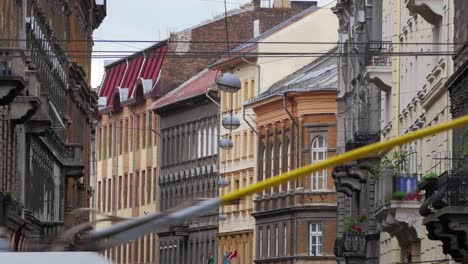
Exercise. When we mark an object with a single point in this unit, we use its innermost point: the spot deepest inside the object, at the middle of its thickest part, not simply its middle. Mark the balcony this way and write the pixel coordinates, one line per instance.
(360, 140)
(445, 208)
(12, 74)
(397, 205)
(379, 65)
(352, 247)
(430, 10)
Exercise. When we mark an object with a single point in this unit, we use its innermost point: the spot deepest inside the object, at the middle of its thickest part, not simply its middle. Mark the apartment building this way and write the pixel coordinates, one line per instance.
(296, 120)
(46, 117)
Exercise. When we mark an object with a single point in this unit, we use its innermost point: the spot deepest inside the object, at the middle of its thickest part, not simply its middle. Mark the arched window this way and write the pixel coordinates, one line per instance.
(318, 152)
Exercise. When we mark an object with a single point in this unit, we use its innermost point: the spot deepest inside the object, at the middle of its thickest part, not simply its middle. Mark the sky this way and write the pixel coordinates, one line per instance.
(151, 20)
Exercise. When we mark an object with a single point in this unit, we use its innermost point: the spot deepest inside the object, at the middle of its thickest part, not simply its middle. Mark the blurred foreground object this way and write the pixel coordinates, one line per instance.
(53, 258)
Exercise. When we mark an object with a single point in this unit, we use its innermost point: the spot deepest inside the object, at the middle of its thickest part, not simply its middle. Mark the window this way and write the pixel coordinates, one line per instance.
(130, 191)
(143, 131)
(126, 136)
(125, 191)
(280, 163)
(137, 189)
(264, 164)
(319, 153)
(199, 143)
(104, 198)
(268, 242)
(155, 184)
(209, 142)
(100, 143)
(204, 141)
(288, 161)
(143, 182)
(150, 128)
(109, 194)
(285, 240)
(119, 206)
(137, 130)
(260, 243)
(99, 196)
(276, 241)
(272, 162)
(266, 3)
(121, 137)
(315, 239)
(148, 184)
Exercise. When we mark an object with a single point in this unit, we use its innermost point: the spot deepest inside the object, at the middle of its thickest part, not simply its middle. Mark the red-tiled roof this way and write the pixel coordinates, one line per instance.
(196, 86)
(145, 64)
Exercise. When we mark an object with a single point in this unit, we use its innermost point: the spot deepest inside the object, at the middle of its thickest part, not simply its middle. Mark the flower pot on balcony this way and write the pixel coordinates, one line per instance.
(428, 184)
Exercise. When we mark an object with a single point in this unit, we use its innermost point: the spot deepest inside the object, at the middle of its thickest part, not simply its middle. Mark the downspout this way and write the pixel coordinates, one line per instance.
(296, 164)
(207, 93)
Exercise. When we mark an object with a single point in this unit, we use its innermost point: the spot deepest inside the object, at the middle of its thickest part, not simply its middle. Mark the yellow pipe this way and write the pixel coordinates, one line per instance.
(342, 158)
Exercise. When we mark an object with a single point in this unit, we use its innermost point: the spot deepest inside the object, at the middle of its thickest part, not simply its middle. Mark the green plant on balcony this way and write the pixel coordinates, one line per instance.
(353, 226)
(399, 195)
(397, 162)
(428, 181)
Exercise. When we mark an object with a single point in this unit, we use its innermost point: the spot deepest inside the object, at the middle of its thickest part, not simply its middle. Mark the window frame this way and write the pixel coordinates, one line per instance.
(318, 234)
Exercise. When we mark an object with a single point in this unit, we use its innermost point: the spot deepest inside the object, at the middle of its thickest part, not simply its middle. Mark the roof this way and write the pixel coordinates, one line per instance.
(196, 86)
(253, 43)
(320, 75)
(121, 77)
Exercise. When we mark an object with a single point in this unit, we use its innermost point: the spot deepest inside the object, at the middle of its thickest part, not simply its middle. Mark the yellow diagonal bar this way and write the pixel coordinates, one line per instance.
(342, 158)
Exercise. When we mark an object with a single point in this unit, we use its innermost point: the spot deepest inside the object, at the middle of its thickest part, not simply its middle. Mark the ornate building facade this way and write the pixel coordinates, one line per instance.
(444, 206)
(296, 119)
(358, 125)
(47, 115)
(189, 127)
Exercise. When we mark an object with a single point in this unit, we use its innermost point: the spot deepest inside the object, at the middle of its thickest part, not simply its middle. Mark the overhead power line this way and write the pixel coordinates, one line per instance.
(247, 42)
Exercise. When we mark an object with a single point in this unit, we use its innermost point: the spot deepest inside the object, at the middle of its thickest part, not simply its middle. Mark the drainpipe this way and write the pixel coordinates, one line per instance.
(207, 93)
(296, 160)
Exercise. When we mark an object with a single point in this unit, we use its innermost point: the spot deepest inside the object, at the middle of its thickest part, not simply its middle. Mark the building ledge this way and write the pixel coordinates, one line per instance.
(381, 76)
(430, 10)
(400, 219)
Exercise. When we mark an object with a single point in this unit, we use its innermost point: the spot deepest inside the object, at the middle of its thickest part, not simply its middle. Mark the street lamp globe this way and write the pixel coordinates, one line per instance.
(225, 143)
(222, 182)
(229, 82)
(231, 122)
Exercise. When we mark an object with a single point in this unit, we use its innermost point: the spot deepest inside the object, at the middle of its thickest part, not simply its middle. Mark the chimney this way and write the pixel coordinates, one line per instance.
(282, 4)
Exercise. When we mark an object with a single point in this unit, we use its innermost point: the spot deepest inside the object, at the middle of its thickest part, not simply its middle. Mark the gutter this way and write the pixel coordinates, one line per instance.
(296, 160)
(247, 121)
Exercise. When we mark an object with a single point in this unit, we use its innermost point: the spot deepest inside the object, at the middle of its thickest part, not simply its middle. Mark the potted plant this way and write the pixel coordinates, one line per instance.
(354, 236)
(404, 182)
(350, 144)
(428, 181)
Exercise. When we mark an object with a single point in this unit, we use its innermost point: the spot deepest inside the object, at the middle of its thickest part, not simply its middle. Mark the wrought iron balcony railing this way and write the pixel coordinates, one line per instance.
(378, 53)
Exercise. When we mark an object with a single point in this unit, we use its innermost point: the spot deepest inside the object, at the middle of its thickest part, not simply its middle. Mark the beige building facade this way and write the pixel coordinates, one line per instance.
(413, 95)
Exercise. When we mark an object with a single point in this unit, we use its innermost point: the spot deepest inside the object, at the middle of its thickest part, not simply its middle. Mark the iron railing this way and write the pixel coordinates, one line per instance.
(378, 53)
